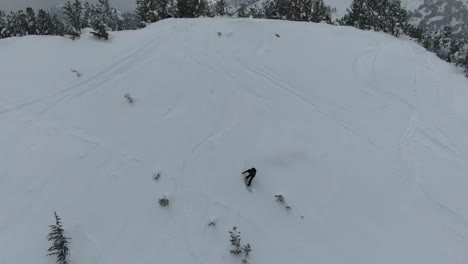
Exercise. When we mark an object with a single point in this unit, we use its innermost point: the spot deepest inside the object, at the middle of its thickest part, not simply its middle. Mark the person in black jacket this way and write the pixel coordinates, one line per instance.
(251, 174)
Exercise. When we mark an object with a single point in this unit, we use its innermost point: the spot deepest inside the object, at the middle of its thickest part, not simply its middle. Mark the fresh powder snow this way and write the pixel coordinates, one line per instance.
(363, 134)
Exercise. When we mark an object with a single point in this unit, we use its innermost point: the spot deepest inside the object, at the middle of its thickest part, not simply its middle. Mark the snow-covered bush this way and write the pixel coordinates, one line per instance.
(164, 202)
(129, 98)
(280, 198)
(235, 241)
(237, 248)
(246, 250)
(78, 74)
(156, 176)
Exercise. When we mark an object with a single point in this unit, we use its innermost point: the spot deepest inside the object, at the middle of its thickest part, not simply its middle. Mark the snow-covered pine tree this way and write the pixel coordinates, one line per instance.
(58, 29)
(391, 18)
(150, 11)
(23, 22)
(86, 15)
(246, 250)
(235, 241)
(274, 9)
(59, 241)
(129, 21)
(187, 8)
(460, 51)
(18, 24)
(320, 12)
(255, 11)
(146, 11)
(44, 22)
(242, 11)
(357, 16)
(104, 18)
(31, 21)
(164, 9)
(221, 8)
(379, 15)
(294, 10)
(10, 28)
(3, 24)
(73, 14)
(203, 9)
(414, 32)
(446, 42)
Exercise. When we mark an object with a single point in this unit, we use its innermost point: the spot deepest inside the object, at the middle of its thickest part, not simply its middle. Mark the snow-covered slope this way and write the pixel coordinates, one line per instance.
(364, 135)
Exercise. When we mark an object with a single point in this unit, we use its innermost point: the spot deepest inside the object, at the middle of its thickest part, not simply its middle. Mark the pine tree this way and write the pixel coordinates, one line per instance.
(44, 23)
(246, 249)
(414, 32)
(59, 241)
(73, 13)
(3, 24)
(255, 11)
(242, 12)
(294, 10)
(357, 15)
(129, 21)
(163, 9)
(150, 11)
(321, 12)
(86, 15)
(446, 43)
(58, 28)
(203, 9)
(186, 8)
(379, 15)
(18, 24)
(235, 240)
(10, 25)
(221, 8)
(30, 18)
(146, 12)
(103, 18)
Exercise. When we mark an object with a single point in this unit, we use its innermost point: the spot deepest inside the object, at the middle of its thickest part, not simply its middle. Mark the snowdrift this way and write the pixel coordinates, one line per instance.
(362, 133)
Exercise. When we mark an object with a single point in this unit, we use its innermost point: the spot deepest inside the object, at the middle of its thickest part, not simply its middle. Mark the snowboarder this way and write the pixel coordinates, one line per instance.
(252, 172)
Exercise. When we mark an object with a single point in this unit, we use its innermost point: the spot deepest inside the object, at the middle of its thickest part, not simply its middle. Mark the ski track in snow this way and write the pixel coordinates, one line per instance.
(287, 89)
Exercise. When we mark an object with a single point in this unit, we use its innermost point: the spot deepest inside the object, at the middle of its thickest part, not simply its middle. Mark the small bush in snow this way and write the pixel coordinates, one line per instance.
(235, 241)
(280, 198)
(277, 35)
(78, 74)
(219, 34)
(59, 241)
(129, 98)
(101, 33)
(156, 176)
(237, 249)
(164, 202)
(212, 223)
(246, 250)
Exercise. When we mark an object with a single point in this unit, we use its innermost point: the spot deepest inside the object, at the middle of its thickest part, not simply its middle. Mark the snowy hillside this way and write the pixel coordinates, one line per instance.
(362, 133)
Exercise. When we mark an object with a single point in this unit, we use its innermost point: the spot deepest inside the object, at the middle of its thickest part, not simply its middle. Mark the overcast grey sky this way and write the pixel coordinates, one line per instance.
(21, 4)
